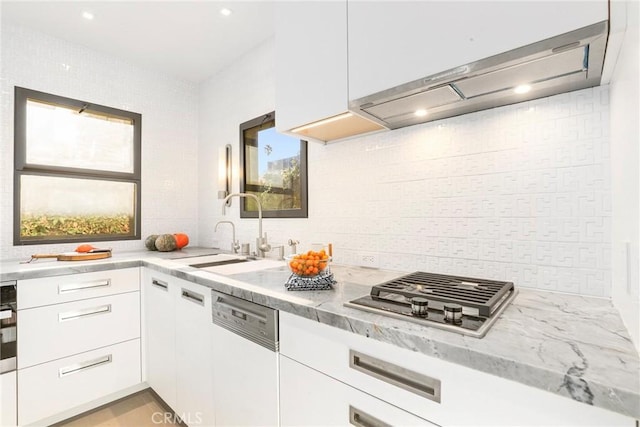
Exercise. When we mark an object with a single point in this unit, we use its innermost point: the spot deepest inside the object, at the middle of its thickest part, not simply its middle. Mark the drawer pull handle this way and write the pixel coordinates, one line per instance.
(71, 315)
(73, 287)
(360, 418)
(192, 296)
(406, 379)
(77, 367)
(160, 284)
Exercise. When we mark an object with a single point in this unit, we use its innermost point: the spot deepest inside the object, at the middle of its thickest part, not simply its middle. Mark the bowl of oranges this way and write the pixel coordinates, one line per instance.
(308, 264)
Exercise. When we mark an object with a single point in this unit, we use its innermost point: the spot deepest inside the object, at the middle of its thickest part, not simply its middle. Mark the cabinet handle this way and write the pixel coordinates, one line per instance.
(360, 418)
(70, 315)
(63, 289)
(160, 284)
(77, 367)
(406, 379)
(192, 296)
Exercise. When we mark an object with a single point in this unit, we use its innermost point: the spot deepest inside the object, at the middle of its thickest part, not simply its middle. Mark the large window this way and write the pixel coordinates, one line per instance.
(77, 170)
(274, 168)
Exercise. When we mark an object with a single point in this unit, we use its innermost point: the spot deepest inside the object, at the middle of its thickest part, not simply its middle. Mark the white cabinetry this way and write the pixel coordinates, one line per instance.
(78, 340)
(391, 43)
(245, 381)
(440, 392)
(177, 345)
(308, 397)
(159, 297)
(8, 400)
(49, 388)
(194, 364)
(311, 70)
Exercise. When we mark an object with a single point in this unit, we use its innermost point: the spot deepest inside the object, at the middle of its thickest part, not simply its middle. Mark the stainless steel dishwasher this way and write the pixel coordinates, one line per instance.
(245, 356)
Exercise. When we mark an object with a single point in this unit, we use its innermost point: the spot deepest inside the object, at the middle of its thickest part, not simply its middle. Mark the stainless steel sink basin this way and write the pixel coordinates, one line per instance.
(227, 264)
(217, 263)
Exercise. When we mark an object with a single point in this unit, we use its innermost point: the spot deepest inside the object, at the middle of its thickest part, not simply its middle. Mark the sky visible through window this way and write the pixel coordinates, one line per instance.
(282, 146)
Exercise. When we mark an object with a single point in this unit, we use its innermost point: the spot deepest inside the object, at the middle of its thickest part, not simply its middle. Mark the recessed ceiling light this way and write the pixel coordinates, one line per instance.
(87, 15)
(66, 67)
(522, 89)
(225, 12)
(420, 113)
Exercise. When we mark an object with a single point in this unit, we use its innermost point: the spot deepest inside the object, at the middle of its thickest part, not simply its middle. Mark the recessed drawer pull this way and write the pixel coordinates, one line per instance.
(77, 367)
(414, 382)
(192, 296)
(160, 284)
(70, 315)
(73, 287)
(362, 419)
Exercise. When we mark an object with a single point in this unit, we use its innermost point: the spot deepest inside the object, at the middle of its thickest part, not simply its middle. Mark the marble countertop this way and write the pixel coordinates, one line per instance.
(569, 345)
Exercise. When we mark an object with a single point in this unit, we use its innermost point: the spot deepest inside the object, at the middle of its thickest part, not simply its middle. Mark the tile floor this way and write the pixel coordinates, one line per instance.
(141, 409)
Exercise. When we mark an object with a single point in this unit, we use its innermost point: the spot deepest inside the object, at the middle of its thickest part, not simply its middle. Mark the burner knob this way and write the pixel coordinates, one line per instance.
(419, 306)
(453, 313)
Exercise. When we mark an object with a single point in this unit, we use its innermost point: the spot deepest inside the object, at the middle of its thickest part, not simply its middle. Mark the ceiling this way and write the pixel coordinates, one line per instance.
(188, 39)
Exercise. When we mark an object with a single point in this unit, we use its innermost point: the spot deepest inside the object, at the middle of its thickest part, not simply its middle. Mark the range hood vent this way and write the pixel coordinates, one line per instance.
(560, 64)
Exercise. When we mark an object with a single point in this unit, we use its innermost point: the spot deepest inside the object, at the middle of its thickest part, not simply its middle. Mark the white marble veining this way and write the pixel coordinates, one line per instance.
(566, 344)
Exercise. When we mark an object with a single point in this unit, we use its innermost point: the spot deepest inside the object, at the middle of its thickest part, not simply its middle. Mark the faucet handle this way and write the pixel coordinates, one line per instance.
(293, 244)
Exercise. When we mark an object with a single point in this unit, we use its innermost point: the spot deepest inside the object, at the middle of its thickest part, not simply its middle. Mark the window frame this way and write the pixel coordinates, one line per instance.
(303, 211)
(21, 167)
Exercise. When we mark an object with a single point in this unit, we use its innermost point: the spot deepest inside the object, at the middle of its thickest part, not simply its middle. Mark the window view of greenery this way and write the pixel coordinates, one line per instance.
(77, 171)
(64, 207)
(275, 171)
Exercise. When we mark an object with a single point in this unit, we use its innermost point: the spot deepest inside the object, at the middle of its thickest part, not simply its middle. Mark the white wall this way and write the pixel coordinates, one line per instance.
(520, 192)
(237, 94)
(625, 159)
(169, 127)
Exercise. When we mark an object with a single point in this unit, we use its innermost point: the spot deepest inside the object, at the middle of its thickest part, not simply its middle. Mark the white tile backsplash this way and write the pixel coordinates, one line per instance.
(518, 192)
(169, 109)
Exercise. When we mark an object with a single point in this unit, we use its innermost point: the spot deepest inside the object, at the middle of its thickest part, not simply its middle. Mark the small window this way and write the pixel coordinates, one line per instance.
(77, 170)
(273, 166)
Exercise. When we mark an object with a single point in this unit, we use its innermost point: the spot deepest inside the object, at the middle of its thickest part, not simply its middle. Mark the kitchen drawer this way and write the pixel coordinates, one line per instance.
(441, 392)
(58, 289)
(53, 387)
(310, 398)
(61, 330)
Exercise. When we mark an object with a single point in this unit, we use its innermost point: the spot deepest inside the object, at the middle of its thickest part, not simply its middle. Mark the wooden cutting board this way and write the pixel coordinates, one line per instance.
(75, 256)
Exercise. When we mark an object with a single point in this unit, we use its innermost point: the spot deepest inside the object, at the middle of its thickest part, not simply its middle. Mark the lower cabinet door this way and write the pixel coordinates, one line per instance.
(47, 389)
(194, 370)
(311, 398)
(8, 405)
(159, 293)
(245, 381)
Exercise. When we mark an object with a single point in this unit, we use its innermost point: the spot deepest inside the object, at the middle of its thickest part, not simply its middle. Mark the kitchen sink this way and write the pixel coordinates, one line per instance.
(217, 263)
(227, 264)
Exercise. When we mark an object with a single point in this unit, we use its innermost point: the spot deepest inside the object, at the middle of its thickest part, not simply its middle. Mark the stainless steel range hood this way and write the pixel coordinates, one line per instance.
(560, 64)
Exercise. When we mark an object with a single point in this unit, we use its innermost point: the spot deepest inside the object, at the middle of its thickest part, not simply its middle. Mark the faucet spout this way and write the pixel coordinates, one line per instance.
(235, 245)
(263, 247)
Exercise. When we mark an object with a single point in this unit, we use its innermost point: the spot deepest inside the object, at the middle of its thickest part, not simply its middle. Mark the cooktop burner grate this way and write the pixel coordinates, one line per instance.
(465, 305)
(480, 294)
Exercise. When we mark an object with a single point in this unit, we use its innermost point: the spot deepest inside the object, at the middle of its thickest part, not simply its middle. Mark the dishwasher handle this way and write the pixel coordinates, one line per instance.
(239, 312)
(247, 319)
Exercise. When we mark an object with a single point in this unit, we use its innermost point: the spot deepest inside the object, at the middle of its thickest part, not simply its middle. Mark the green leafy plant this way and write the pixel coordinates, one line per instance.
(90, 225)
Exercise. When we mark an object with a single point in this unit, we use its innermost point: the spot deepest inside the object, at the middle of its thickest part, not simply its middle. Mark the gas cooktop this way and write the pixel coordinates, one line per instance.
(465, 305)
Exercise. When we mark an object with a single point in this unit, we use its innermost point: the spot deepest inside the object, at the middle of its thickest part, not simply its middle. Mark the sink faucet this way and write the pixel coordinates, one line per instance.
(262, 247)
(235, 245)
